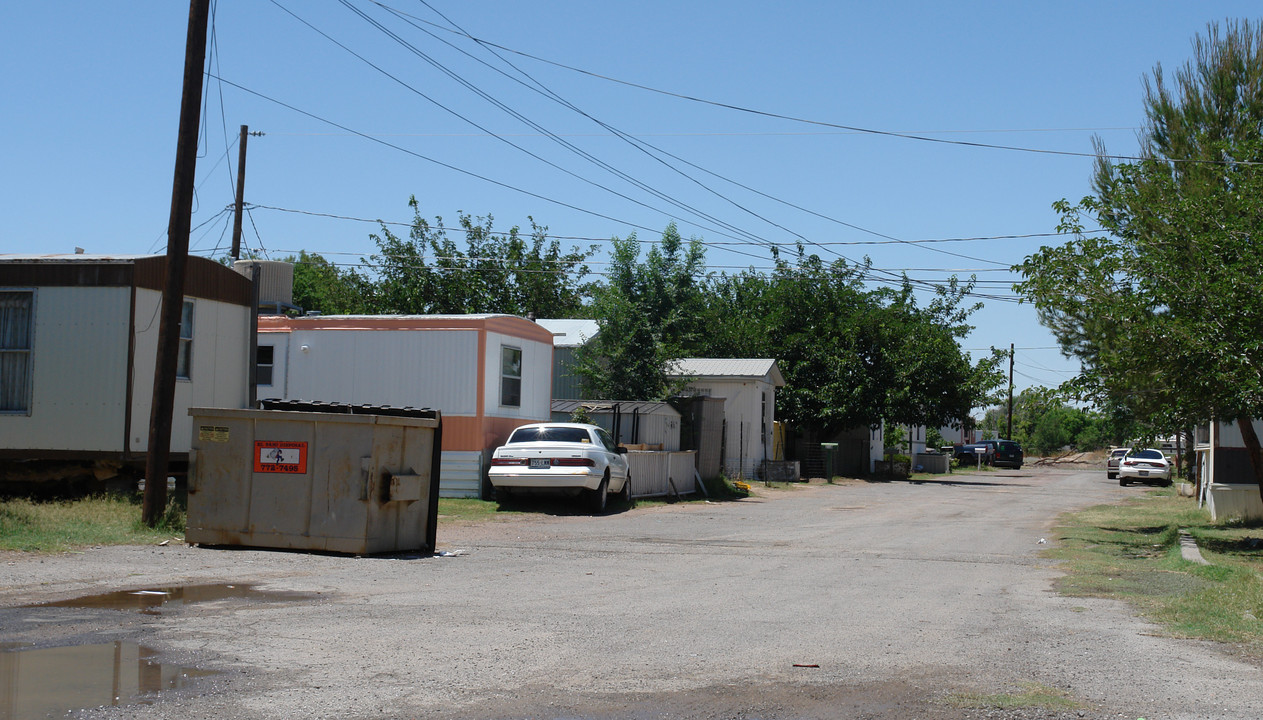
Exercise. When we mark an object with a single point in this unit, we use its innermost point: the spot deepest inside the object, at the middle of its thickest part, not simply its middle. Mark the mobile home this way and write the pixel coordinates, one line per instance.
(78, 346)
(486, 374)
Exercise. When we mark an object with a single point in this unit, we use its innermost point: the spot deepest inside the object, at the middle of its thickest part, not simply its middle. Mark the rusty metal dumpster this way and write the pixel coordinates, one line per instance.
(315, 477)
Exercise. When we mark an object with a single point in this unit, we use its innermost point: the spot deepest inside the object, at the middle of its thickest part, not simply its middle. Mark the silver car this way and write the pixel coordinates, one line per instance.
(1113, 460)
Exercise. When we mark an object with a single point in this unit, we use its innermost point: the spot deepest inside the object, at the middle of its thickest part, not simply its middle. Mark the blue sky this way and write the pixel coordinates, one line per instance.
(92, 96)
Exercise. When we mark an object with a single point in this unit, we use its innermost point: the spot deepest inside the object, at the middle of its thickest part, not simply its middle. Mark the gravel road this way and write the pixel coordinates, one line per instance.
(864, 600)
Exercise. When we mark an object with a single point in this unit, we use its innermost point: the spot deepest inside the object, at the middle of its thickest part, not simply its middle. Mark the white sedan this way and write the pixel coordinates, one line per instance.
(569, 457)
(1145, 466)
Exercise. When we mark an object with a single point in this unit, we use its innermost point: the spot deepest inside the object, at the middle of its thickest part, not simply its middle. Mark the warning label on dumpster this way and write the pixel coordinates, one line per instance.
(280, 456)
(212, 433)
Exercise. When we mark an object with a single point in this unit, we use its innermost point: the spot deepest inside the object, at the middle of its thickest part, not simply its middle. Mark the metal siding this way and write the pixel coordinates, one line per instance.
(219, 374)
(655, 473)
(79, 372)
(460, 475)
(537, 363)
(280, 350)
(146, 344)
(566, 384)
(418, 368)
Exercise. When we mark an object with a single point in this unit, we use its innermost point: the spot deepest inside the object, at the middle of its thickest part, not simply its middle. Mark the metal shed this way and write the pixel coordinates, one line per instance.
(634, 423)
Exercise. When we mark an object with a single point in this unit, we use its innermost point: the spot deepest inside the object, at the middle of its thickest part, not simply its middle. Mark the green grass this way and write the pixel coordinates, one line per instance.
(470, 509)
(1031, 695)
(58, 526)
(1132, 552)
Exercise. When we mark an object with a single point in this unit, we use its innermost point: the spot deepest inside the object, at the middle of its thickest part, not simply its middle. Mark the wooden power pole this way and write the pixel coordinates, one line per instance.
(1010, 430)
(163, 402)
(241, 192)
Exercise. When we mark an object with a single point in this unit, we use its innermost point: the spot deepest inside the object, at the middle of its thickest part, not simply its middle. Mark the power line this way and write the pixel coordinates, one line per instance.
(821, 123)
(638, 144)
(569, 146)
(716, 243)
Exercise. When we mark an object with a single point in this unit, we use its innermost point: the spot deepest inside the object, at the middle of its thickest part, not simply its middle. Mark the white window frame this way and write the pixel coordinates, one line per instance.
(506, 378)
(184, 359)
(23, 397)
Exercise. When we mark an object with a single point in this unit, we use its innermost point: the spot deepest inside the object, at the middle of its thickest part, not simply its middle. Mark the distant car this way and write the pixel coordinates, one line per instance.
(1113, 460)
(1145, 466)
(968, 453)
(571, 458)
(1006, 453)
(1000, 453)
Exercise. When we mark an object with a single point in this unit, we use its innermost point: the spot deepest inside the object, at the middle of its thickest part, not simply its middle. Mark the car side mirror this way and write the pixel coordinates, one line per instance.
(620, 450)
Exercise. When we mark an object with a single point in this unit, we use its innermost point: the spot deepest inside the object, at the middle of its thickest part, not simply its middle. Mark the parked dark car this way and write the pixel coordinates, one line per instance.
(1006, 453)
(967, 454)
(1000, 453)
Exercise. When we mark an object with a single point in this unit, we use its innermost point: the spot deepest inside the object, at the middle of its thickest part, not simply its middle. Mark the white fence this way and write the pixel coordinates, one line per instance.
(656, 473)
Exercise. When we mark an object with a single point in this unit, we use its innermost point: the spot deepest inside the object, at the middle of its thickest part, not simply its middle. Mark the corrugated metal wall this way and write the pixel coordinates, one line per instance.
(537, 363)
(433, 369)
(219, 373)
(461, 474)
(566, 385)
(654, 473)
(79, 364)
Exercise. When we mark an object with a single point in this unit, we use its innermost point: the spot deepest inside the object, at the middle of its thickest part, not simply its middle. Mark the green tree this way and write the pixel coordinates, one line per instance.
(321, 285)
(649, 314)
(1164, 308)
(850, 356)
(428, 272)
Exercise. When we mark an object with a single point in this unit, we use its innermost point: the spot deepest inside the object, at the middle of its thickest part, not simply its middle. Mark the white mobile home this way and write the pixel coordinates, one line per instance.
(486, 374)
(748, 387)
(78, 343)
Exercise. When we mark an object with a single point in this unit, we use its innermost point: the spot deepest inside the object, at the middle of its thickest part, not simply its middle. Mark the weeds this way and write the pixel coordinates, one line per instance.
(56, 526)
(1132, 552)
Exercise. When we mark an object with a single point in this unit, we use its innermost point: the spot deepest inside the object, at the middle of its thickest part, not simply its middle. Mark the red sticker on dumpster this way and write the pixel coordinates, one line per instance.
(280, 456)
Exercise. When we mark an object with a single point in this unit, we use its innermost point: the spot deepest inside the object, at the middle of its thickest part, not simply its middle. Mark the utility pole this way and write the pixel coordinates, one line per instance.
(1010, 430)
(163, 401)
(241, 192)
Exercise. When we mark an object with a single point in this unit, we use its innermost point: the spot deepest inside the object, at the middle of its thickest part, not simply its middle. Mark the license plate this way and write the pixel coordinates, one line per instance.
(537, 463)
(1144, 473)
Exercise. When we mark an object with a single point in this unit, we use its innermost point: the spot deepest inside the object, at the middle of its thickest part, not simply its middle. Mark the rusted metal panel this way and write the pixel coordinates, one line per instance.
(336, 482)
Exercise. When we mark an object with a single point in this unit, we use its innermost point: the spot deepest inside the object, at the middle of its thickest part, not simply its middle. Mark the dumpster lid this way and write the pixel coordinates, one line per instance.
(347, 408)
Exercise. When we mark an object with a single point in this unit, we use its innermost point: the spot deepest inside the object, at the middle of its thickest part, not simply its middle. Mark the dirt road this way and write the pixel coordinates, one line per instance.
(880, 600)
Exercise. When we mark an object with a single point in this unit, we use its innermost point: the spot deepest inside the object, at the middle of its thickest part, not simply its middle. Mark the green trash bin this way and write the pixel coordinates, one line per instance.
(830, 452)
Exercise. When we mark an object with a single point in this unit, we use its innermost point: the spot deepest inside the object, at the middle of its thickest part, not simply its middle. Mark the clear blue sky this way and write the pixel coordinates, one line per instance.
(92, 95)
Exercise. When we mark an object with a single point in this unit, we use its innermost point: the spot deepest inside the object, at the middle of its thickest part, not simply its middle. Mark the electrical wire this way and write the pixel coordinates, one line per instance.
(609, 168)
(822, 123)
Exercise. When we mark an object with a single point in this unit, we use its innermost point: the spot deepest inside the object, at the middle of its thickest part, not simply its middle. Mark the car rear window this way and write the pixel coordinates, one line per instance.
(1007, 446)
(1119, 452)
(1147, 454)
(550, 434)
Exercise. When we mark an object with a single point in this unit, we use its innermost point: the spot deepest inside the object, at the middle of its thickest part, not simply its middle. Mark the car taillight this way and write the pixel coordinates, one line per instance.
(508, 461)
(574, 462)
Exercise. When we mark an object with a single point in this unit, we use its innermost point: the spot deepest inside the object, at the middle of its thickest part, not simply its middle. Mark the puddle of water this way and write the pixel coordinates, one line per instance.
(153, 601)
(39, 683)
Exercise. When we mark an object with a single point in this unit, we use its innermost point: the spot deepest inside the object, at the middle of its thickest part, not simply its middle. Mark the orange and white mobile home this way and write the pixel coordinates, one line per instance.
(486, 374)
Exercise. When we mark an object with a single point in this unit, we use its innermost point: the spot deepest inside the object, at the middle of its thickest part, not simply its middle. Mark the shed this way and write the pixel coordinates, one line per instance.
(629, 422)
(78, 345)
(748, 387)
(487, 374)
(568, 336)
